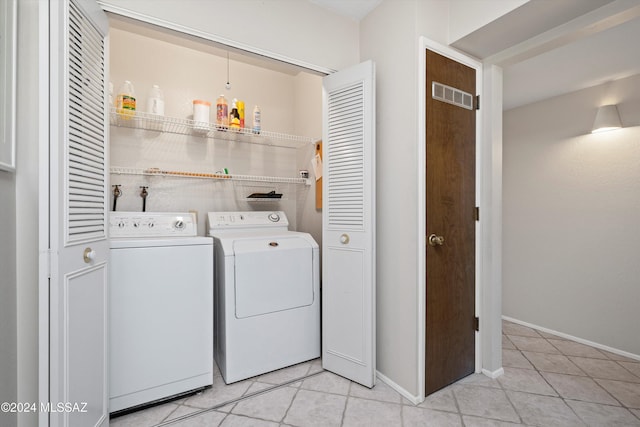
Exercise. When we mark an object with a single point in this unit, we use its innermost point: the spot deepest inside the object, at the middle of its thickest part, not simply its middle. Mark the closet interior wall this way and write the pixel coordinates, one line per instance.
(290, 102)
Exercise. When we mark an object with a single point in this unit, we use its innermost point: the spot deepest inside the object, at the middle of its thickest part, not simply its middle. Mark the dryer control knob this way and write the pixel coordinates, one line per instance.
(274, 217)
(179, 224)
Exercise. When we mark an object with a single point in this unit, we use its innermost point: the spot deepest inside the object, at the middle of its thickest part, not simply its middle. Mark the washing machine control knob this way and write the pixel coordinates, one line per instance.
(274, 217)
(179, 224)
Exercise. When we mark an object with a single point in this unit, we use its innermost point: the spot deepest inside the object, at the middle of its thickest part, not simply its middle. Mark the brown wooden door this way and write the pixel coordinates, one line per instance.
(450, 200)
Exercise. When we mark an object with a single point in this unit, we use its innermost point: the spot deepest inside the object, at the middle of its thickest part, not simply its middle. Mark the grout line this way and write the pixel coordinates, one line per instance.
(346, 403)
(504, 390)
(455, 402)
(633, 375)
(587, 375)
(224, 418)
(295, 394)
(229, 402)
(171, 413)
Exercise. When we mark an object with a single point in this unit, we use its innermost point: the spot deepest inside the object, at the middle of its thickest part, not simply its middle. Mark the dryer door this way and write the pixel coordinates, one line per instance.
(272, 274)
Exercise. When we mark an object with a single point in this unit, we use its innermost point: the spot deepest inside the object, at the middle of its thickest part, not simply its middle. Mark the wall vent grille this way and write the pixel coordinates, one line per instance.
(451, 95)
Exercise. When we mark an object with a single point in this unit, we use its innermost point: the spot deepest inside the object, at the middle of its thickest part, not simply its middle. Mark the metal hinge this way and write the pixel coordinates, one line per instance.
(476, 213)
(476, 323)
(477, 102)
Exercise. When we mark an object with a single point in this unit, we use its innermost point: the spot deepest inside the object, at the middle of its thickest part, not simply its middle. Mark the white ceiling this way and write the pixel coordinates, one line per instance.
(354, 9)
(606, 56)
(542, 55)
(582, 59)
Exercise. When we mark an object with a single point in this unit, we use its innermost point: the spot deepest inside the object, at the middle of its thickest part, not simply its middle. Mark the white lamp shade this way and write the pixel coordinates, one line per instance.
(607, 118)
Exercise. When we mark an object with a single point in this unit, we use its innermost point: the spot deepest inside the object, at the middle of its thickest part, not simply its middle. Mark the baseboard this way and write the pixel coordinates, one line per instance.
(572, 338)
(493, 375)
(411, 398)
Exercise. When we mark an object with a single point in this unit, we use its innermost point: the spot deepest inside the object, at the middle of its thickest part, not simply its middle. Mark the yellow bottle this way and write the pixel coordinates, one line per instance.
(234, 117)
(126, 101)
(240, 105)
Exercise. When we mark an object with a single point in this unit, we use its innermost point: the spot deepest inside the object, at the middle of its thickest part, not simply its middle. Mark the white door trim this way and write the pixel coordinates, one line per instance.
(44, 254)
(449, 52)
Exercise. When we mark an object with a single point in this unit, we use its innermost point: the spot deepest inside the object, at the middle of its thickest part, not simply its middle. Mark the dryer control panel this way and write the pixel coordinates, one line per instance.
(152, 224)
(246, 220)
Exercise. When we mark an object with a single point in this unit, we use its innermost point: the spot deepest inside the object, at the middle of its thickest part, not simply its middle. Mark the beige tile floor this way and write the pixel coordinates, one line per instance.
(548, 381)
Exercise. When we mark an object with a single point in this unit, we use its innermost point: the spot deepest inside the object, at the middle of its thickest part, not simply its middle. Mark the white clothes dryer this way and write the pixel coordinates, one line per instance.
(266, 293)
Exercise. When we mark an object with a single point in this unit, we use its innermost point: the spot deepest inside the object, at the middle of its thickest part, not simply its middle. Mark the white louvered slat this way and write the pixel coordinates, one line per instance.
(85, 180)
(345, 204)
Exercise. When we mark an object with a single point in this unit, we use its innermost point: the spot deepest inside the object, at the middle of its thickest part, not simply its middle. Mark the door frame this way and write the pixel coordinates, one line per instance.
(449, 52)
(44, 251)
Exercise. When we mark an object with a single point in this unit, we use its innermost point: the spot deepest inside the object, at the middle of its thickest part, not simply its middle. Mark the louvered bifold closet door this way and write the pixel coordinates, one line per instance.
(348, 224)
(85, 171)
(79, 249)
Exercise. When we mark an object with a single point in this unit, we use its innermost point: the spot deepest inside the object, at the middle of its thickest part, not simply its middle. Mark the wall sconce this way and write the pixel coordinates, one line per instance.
(607, 118)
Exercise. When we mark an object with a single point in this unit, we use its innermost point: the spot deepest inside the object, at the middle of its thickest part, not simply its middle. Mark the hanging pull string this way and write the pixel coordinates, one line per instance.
(228, 85)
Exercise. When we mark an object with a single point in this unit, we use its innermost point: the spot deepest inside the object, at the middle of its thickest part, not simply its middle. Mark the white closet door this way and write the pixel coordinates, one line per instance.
(78, 380)
(348, 224)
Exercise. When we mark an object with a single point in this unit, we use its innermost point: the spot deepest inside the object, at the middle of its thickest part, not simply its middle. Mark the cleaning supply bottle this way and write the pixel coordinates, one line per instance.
(155, 102)
(257, 119)
(126, 100)
(234, 117)
(222, 113)
(240, 105)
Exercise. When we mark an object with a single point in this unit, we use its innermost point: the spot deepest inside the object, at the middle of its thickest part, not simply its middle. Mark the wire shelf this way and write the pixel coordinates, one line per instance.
(152, 122)
(205, 175)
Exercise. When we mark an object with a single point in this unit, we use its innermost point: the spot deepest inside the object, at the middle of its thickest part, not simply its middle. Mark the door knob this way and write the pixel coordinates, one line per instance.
(344, 239)
(435, 240)
(89, 255)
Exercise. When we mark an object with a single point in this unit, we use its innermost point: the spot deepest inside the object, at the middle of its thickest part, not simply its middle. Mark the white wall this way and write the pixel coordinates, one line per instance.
(185, 74)
(27, 175)
(571, 209)
(394, 52)
(8, 328)
(308, 121)
(470, 15)
(291, 29)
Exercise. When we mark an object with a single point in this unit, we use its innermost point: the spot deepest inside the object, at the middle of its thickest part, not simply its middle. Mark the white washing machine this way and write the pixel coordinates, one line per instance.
(160, 308)
(267, 293)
